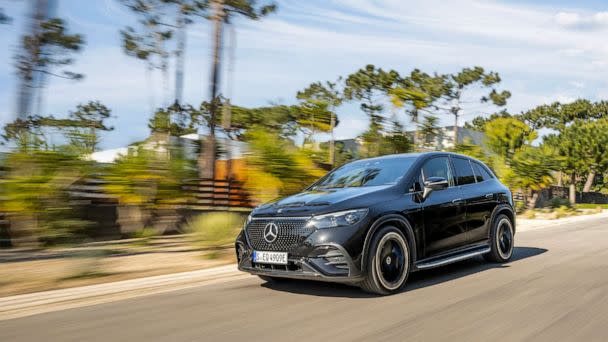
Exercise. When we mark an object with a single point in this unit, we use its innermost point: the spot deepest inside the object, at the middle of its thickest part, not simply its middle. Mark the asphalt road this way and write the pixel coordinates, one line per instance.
(555, 289)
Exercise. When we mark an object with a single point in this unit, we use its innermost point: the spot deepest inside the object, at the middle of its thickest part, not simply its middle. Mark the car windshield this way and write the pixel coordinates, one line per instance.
(367, 173)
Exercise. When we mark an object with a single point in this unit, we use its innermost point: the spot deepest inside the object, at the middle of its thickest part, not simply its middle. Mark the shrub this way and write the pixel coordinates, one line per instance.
(217, 228)
(530, 214)
(563, 211)
(558, 202)
(520, 207)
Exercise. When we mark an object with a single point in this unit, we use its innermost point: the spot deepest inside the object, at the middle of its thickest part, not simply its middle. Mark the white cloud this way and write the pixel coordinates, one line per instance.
(573, 20)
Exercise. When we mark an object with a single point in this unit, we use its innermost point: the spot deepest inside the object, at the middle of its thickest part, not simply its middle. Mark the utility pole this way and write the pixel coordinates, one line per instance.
(207, 165)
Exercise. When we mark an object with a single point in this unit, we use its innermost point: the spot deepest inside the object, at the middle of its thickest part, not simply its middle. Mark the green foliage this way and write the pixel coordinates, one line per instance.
(216, 229)
(35, 195)
(276, 166)
(479, 123)
(557, 116)
(51, 46)
(367, 85)
(279, 119)
(81, 129)
(148, 178)
(504, 136)
(429, 130)
(582, 146)
(467, 147)
(558, 202)
(178, 120)
(531, 168)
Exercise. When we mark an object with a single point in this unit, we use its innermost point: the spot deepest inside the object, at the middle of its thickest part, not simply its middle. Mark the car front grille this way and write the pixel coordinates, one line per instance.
(291, 233)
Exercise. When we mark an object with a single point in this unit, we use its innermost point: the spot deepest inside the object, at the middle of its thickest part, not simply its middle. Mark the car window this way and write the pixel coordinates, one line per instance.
(464, 171)
(438, 167)
(367, 172)
(481, 173)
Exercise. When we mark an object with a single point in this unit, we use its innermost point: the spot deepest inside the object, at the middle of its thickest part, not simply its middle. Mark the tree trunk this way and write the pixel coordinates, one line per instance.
(208, 153)
(415, 137)
(531, 204)
(332, 142)
(589, 182)
(456, 129)
(572, 193)
(179, 57)
(560, 178)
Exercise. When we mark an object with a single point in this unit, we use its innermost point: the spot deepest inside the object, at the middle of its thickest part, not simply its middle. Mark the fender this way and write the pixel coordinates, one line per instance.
(407, 230)
(501, 208)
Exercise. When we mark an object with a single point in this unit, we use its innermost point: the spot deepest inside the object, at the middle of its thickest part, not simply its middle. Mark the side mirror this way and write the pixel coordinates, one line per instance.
(434, 184)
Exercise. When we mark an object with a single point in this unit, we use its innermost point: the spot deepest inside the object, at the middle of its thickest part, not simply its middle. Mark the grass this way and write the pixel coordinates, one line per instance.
(590, 206)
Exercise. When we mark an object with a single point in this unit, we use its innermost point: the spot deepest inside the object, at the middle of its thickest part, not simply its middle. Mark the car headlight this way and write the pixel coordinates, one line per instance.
(249, 218)
(340, 218)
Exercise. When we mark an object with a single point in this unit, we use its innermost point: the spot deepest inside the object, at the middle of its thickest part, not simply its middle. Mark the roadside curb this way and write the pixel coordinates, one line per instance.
(53, 300)
(524, 225)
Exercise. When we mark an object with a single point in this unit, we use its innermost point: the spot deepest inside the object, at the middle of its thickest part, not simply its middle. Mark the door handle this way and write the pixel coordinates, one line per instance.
(457, 200)
(489, 195)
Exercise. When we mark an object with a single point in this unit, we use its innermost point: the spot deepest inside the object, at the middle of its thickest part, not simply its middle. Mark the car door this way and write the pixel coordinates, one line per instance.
(478, 198)
(444, 213)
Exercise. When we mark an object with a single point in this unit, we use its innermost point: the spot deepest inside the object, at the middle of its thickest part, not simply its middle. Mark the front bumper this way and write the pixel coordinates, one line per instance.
(328, 261)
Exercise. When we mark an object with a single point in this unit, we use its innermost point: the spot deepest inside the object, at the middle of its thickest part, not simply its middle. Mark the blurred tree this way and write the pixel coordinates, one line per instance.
(223, 12)
(326, 95)
(505, 136)
(395, 141)
(531, 169)
(478, 123)
(34, 194)
(86, 122)
(582, 145)
(177, 120)
(49, 46)
(457, 84)
(4, 19)
(314, 116)
(417, 93)
(559, 117)
(276, 167)
(279, 119)
(429, 130)
(370, 86)
(81, 129)
(467, 147)
(160, 21)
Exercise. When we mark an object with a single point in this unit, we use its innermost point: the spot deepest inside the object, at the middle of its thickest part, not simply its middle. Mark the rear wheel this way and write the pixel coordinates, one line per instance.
(502, 240)
(388, 264)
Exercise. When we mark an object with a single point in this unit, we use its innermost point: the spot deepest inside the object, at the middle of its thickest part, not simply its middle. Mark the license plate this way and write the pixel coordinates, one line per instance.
(277, 258)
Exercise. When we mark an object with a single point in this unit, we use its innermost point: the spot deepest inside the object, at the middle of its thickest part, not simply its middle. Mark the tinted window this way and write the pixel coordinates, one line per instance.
(481, 173)
(438, 167)
(367, 173)
(464, 172)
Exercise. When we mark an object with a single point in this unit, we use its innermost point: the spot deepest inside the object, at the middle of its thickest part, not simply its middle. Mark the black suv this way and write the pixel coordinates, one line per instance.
(373, 221)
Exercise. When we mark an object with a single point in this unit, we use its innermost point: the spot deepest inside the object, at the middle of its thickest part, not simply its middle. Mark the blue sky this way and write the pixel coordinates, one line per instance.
(544, 51)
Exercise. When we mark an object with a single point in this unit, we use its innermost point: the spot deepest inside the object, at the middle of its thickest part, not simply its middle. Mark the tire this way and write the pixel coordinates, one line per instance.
(502, 240)
(388, 262)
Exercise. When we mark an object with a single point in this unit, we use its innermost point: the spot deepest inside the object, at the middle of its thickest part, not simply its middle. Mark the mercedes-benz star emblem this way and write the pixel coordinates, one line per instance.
(271, 231)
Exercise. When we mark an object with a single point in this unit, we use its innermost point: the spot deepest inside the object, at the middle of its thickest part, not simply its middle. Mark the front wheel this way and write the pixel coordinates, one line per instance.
(388, 262)
(502, 240)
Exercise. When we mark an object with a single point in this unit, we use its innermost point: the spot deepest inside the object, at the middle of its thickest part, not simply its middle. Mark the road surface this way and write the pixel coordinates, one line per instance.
(556, 288)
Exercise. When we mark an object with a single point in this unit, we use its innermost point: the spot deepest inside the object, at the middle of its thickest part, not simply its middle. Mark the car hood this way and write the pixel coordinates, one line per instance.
(310, 201)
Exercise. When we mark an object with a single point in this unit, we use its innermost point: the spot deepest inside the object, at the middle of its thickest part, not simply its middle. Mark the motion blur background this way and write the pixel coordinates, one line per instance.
(138, 134)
